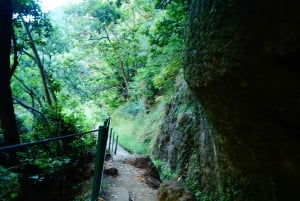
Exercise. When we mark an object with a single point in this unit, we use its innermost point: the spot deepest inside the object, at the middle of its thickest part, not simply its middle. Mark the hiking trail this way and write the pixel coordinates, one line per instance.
(129, 177)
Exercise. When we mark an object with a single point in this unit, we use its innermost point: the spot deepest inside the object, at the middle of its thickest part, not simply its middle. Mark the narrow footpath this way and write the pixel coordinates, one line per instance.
(129, 178)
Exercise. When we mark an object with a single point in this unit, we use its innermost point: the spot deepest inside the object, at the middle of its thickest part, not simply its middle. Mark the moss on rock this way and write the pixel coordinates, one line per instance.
(236, 134)
(245, 77)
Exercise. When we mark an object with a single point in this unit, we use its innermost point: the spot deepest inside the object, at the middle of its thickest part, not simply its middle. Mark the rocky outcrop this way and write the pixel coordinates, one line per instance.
(235, 135)
(187, 142)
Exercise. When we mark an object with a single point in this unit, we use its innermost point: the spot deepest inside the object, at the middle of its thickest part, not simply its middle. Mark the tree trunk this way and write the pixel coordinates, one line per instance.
(7, 116)
(38, 61)
(121, 66)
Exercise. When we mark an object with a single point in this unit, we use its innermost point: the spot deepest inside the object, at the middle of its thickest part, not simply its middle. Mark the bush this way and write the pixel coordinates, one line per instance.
(44, 162)
(164, 171)
(9, 185)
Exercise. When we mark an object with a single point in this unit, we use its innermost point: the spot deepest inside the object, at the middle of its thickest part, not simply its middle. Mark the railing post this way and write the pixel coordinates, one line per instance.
(116, 146)
(112, 145)
(107, 122)
(100, 157)
(109, 142)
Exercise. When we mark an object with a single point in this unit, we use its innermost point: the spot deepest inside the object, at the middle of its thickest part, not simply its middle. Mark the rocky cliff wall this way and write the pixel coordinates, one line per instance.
(187, 142)
(236, 133)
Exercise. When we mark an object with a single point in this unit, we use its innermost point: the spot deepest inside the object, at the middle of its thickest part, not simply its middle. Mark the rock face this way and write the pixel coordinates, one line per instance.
(173, 191)
(187, 141)
(235, 135)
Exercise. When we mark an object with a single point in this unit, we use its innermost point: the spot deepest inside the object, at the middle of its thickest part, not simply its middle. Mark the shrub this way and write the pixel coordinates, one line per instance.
(9, 185)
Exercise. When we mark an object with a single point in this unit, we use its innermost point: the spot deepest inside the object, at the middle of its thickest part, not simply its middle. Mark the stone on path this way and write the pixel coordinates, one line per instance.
(112, 171)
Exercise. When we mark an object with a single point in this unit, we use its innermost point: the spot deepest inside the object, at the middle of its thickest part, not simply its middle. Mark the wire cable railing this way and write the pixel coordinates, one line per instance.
(38, 142)
(103, 133)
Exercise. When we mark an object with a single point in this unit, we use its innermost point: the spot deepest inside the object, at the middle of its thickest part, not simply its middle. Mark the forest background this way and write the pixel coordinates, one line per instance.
(78, 64)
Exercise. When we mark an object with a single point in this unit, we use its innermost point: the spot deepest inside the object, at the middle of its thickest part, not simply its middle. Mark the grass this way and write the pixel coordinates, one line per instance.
(129, 137)
(136, 131)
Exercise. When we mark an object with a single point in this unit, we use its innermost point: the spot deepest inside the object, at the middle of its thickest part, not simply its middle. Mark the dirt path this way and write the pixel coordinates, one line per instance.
(129, 184)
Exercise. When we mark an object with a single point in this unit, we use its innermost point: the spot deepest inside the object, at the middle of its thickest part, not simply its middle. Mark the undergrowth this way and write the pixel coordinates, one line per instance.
(164, 171)
(136, 128)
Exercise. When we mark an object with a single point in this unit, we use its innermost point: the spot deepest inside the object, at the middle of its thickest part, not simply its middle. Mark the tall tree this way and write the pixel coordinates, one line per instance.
(38, 61)
(7, 116)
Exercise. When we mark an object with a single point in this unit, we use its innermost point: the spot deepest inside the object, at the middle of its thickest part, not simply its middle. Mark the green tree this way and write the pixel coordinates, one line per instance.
(112, 30)
(37, 60)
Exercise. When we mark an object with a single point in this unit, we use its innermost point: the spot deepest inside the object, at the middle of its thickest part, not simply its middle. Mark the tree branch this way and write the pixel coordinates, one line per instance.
(31, 109)
(29, 55)
(98, 39)
(28, 90)
(162, 4)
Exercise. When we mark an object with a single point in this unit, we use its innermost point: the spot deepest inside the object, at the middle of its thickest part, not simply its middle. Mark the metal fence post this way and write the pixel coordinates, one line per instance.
(116, 146)
(100, 157)
(109, 141)
(112, 144)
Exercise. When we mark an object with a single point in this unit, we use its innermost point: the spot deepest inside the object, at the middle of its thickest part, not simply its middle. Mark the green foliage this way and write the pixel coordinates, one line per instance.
(98, 57)
(165, 172)
(105, 13)
(27, 8)
(42, 162)
(127, 129)
(9, 185)
(52, 122)
(172, 26)
(102, 54)
(119, 45)
(39, 23)
(130, 109)
(121, 50)
(166, 78)
(143, 85)
(194, 186)
(125, 121)
(166, 44)
(136, 127)
(42, 167)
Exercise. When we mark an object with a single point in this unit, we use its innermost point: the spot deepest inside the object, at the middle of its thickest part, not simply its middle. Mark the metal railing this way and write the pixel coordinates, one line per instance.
(113, 142)
(100, 157)
(103, 133)
(39, 142)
